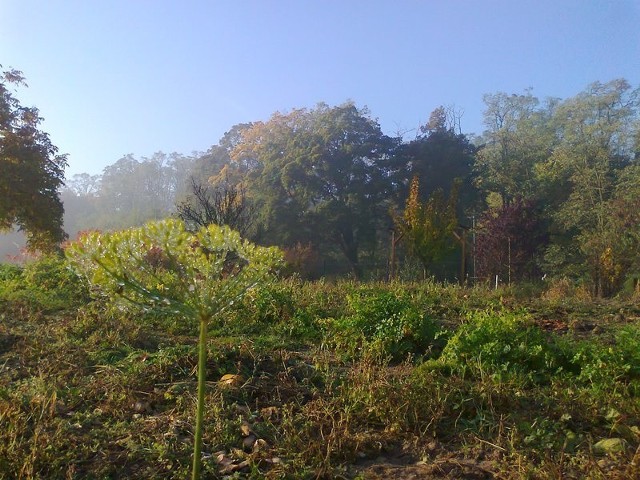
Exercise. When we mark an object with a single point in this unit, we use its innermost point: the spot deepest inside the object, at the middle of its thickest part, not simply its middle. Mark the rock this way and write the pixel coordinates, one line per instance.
(571, 440)
(270, 413)
(245, 429)
(260, 445)
(626, 432)
(610, 445)
(231, 380)
(248, 442)
(142, 407)
(223, 459)
(234, 467)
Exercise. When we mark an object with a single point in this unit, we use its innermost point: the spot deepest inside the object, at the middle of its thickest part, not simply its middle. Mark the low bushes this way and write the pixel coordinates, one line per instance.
(505, 342)
(46, 284)
(334, 375)
(387, 321)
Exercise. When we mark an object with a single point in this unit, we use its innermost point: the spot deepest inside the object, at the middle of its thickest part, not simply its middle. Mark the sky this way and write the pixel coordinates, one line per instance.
(118, 77)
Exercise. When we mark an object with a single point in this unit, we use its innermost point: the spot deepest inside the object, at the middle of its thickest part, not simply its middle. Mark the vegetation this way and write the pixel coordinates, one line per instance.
(314, 376)
(550, 189)
(428, 228)
(163, 267)
(319, 380)
(32, 172)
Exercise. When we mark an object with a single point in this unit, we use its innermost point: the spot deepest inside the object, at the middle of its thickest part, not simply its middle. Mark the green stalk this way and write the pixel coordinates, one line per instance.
(202, 375)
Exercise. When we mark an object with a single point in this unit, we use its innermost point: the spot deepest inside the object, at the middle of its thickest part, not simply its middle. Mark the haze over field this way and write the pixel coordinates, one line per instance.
(320, 127)
(319, 239)
(121, 77)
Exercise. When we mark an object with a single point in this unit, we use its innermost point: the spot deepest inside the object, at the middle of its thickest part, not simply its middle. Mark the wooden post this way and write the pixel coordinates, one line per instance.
(509, 239)
(392, 260)
(392, 256)
(463, 263)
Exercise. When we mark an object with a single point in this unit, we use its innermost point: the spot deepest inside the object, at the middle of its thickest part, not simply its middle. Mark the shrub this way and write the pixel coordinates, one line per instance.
(163, 266)
(9, 271)
(607, 367)
(43, 284)
(387, 321)
(504, 342)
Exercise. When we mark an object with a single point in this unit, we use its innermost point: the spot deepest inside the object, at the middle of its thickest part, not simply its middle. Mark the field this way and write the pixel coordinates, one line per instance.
(321, 380)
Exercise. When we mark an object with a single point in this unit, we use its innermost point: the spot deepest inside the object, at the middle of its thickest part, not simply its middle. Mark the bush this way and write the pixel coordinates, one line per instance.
(504, 343)
(44, 284)
(606, 367)
(9, 271)
(388, 321)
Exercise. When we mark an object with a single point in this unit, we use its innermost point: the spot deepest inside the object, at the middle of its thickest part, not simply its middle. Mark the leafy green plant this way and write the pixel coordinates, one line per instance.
(504, 342)
(388, 321)
(163, 266)
(43, 284)
(9, 271)
(607, 367)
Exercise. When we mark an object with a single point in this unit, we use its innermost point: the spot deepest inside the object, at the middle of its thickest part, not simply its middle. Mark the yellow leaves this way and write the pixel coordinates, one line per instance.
(611, 269)
(427, 226)
(412, 212)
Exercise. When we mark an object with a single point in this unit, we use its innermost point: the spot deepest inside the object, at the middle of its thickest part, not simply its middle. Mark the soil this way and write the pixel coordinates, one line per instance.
(437, 469)
(438, 464)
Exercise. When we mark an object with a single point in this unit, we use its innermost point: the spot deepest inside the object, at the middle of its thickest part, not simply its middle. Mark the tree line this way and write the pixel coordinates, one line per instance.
(550, 189)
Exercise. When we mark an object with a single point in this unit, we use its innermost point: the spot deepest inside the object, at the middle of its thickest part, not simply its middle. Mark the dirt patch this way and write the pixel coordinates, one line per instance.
(443, 468)
(7, 341)
(437, 463)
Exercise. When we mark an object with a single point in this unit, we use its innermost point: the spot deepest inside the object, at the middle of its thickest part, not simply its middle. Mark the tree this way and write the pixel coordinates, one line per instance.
(134, 191)
(161, 265)
(32, 172)
(437, 156)
(428, 227)
(217, 159)
(625, 220)
(317, 176)
(220, 203)
(598, 129)
(519, 137)
(508, 241)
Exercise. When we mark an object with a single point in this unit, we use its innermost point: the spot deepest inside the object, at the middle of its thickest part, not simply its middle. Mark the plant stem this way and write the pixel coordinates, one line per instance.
(202, 375)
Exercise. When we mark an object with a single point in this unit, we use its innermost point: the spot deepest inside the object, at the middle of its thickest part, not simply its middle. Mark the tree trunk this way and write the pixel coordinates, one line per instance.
(349, 247)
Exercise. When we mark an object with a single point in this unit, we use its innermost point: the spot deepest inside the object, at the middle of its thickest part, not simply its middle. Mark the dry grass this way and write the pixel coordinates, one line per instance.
(93, 393)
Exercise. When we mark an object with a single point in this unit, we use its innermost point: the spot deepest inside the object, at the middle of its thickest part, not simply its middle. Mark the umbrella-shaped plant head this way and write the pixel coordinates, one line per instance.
(163, 266)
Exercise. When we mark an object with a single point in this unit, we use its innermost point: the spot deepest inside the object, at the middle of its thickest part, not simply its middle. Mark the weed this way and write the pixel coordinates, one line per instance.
(333, 376)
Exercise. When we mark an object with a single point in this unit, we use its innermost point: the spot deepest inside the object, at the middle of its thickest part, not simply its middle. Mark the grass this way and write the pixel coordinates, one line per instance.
(503, 384)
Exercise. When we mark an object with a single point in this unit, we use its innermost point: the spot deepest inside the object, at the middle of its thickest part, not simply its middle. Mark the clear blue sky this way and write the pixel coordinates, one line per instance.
(133, 76)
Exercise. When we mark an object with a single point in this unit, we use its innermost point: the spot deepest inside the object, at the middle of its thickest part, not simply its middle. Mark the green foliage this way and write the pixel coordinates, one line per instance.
(385, 320)
(611, 366)
(518, 138)
(428, 227)
(318, 177)
(437, 156)
(9, 271)
(598, 126)
(163, 266)
(43, 284)
(102, 392)
(503, 343)
(32, 172)
(577, 157)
